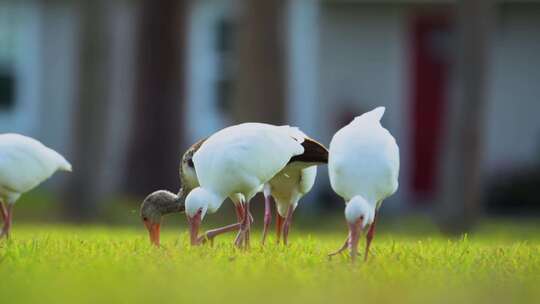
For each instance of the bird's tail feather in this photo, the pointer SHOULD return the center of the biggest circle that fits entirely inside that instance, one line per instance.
(374, 115)
(314, 152)
(63, 164)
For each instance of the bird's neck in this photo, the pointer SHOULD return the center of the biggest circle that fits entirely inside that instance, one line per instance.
(215, 201)
(180, 202)
(371, 202)
(175, 204)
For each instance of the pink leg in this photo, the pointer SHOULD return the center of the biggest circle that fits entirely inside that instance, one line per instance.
(279, 226)
(239, 212)
(369, 237)
(267, 216)
(353, 242)
(249, 220)
(343, 248)
(240, 217)
(3, 211)
(287, 224)
(211, 234)
(242, 238)
(7, 222)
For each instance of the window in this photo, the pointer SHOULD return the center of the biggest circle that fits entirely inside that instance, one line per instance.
(225, 36)
(7, 90)
(225, 41)
(8, 32)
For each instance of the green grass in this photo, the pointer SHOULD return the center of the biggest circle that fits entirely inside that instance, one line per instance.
(67, 264)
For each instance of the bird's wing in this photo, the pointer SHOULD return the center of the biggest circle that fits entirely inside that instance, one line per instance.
(244, 156)
(25, 162)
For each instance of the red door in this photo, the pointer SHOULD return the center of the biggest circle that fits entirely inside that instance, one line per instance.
(430, 73)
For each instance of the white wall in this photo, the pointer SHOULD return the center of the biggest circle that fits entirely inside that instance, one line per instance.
(24, 117)
(202, 115)
(363, 50)
(363, 65)
(60, 63)
(513, 121)
(121, 40)
(302, 22)
(58, 74)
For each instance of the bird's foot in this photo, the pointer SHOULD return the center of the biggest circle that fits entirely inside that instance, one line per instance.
(203, 239)
(331, 255)
(211, 234)
(340, 250)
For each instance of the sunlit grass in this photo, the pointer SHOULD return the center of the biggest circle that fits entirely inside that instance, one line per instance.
(62, 264)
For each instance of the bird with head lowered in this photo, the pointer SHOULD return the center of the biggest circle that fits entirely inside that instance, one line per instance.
(363, 166)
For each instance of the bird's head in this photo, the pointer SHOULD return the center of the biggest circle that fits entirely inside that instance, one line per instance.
(155, 206)
(359, 212)
(359, 215)
(197, 203)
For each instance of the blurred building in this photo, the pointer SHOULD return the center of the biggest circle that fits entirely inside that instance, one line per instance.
(342, 58)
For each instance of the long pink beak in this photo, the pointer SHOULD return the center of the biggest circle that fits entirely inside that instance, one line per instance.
(354, 232)
(153, 231)
(194, 224)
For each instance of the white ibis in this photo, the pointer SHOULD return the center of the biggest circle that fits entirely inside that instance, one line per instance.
(155, 206)
(289, 185)
(236, 162)
(162, 202)
(363, 166)
(287, 188)
(24, 164)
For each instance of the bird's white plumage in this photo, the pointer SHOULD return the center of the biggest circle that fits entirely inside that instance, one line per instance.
(358, 207)
(240, 159)
(191, 181)
(291, 184)
(287, 187)
(24, 164)
(364, 160)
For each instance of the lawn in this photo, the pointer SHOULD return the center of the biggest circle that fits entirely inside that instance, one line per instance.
(66, 264)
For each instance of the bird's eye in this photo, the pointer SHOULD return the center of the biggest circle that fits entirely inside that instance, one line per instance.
(362, 217)
(145, 219)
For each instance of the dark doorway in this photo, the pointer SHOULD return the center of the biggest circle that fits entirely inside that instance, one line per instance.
(431, 48)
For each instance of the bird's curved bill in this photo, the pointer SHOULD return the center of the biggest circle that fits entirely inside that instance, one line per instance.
(355, 230)
(194, 224)
(153, 231)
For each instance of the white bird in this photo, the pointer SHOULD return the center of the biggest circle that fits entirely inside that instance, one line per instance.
(287, 188)
(24, 164)
(163, 202)
(237, 162)
(363, 166)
